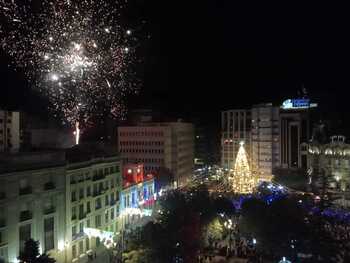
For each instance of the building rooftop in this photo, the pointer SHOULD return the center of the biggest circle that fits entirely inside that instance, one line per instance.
(25, 161)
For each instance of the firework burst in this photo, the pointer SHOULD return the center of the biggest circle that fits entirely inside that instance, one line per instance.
(74, 52)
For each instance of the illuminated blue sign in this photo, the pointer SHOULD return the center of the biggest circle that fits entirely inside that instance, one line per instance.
(297, 104)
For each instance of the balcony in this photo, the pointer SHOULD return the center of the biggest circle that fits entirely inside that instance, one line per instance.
(25, 215)
(49, 186)
(49, 210)
(25, 191)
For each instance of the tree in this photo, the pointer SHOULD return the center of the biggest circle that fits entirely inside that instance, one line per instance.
(215, 230)
(31, 254)
(242, 181)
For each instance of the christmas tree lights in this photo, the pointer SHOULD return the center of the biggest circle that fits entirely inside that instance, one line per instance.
(242, 180)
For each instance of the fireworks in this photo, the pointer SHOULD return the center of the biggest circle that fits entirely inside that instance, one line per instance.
(75, 52)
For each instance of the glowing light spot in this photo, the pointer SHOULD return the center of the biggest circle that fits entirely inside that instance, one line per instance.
(54, 77)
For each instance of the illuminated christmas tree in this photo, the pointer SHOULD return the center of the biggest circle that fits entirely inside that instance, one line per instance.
(242, 180)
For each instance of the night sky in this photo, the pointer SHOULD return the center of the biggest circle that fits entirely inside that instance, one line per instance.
(206, 56)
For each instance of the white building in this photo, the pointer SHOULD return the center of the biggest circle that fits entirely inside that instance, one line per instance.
(235, 127)
(329, 169)
(265, 140)
(92, 202)
(9, 131)
(68, 202)
(32, 203)
(157, 145)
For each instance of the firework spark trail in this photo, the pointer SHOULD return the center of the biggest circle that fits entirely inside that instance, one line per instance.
(75, 52)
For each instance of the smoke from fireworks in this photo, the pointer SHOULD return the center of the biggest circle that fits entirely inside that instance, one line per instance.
(75, 52)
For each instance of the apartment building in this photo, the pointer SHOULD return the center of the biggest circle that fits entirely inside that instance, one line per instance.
(67, 200)
(157, 145)
(32, 203)
(92, 202)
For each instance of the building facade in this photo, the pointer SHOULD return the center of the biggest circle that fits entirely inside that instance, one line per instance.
(158, 145)
(235, 127)
(71, 206)
(137, 198)
(329, 169)
(32, 204)
(92, 203)
(9, 131)
(265, 140)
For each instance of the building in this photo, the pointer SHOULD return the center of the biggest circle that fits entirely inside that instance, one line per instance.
(32, 203)
(138, 196)
(159, 145)
(265, 140)
(329, 169)
(67, 200)
(9, 131)
(295, 132)
(93, 187)
(235, 127)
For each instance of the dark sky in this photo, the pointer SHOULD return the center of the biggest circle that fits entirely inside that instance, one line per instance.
(206, 56)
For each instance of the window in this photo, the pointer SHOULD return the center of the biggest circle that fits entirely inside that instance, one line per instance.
(81, 247)
(49, 233)
(74, 251)
(74, 213)
(112, 198)
(3, 253)
(24, 187)
(88, 223)
(24, 235)
(2, 217)
(73, 196)
(112, 214)
(87, 243)
(112, 183)
(81, 227)
(106, 217)
(95, 190)
(88, 208)
(72, 179)
(74, 231)
(88, 191)
(81, 211)
(98, 221)
(133, 201)
(2, 238)
(98, 203)
(81, 193)
(106, 200)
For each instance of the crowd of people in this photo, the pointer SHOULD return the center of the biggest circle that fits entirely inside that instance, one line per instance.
(340, 233)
